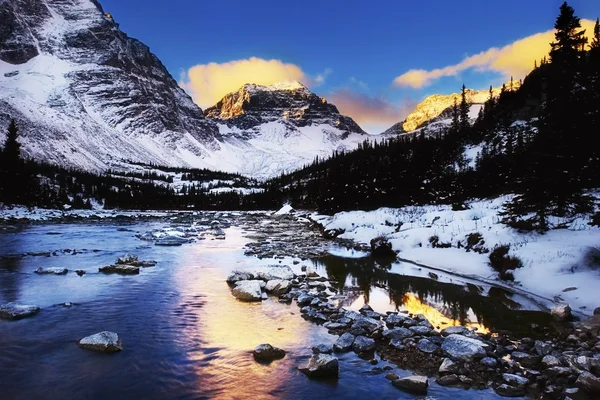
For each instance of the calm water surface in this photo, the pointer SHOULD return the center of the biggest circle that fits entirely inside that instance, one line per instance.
(185, 336)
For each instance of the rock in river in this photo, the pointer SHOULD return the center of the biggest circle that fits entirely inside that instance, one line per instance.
(51, 271)
(363, 344)
(170, 241)
(278, 286)
(247, 291)
(17, 311)
(463, 348)
(104, 342)
(414, 384)
(321, 366)
(266, 352)
(561, 311)
(344, 342)
(120, 269)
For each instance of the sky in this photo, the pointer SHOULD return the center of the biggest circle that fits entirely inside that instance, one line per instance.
(374, 59)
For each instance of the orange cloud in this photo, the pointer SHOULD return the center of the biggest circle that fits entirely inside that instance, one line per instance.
(375, 114)
(208, 83)
(515, 59)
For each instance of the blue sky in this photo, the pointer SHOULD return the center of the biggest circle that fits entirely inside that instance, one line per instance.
(358, 48)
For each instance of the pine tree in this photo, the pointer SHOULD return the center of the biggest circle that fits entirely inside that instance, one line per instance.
(464, 112)
(455, 125)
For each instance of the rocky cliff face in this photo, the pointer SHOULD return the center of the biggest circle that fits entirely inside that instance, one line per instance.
(292, 102)
(85, 93)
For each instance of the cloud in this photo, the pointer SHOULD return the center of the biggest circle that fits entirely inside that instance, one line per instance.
(515, 59)
(376, 112)
(208, 83)
(320, 78)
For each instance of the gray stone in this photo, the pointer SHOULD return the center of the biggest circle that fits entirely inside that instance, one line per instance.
(169, 241)
(510, 391)
(247, 291)
(120, 269)
(448, 367)
(597, 311)
(368, 324)
(266, 352)
(448, 380)
(550, 361)
(16, 311)
(238, 275)
(413, 384)
(398, 334)
(344, 343)
(561, 311)
(397, 344)
(463, 348)
(515, 380)
(322, 348)
(488, 362)
(394, 320)
(334, 325)
(543, 348)
(278, 286)
(454, 330)
(588, 383)
(420, 330)
(104, 342)
(304, 299)
(363, 344)
(51, 271)
(525, 359)
(321, 366)
(127, 259)
(426, 346)
(391, 377)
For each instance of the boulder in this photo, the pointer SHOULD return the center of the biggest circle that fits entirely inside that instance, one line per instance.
(304, 300)
(543, 348)
(420, 330)
(80, 272)
(278, 286)
(395, 320)
(266, 352)
(525, 359)
(593, 325)
(561, 311)
(170, 240)
(344, 343)
(448, 367)
(510, 391)
(488, 362)
(515, 380)
(247, 291)
(238, 275)
(16, 311)
(597, 311)
(463, 348)
(398, 334)
(448, 380)
(413, 384)
(455, 330)
(588, 383)
(366, 323)
(104, 342)
(51, 271)
(322, 348)
(271, 272)
(120, 269)
(321, 366)
(550, 361)
(426, 346)
(363, 344)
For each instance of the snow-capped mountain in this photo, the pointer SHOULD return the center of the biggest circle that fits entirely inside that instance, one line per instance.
(281, 127)
(436, 108)
(86, 95)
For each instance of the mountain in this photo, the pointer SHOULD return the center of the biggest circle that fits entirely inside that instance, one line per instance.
(437, 108)
(86, 95)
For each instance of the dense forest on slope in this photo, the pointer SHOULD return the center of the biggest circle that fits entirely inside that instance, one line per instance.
(540, 141)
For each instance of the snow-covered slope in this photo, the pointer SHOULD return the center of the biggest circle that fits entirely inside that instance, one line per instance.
(86, 95)
(436, 108)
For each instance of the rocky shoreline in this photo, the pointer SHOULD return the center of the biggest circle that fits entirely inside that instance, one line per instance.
(553, 366)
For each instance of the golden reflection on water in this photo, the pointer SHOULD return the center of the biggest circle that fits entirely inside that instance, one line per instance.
(227, 330)
(380, 302)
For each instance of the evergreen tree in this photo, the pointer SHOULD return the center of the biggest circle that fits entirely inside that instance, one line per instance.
(464, 112)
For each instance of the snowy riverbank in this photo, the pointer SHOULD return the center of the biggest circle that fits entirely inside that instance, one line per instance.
(560, 259)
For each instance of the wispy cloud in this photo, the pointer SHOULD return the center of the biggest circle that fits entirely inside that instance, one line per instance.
(322, 77)
(515, 59)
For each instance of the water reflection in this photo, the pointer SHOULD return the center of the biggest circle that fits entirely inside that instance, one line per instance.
(365, 281)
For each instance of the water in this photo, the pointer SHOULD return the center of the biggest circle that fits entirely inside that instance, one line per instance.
(185, 336)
